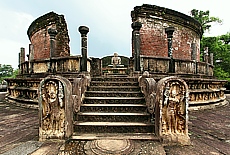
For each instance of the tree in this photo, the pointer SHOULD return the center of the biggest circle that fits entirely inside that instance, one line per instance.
(204, 18)
(221, 52)
(6, 71)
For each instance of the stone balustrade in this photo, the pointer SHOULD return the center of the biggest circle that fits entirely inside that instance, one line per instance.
(161, 65)
(68, 64)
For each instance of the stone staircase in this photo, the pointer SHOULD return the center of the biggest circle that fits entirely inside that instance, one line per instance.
(113, 105)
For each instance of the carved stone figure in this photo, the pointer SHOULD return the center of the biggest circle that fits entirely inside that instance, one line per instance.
(53, 108)
(173, 110)
(116, 60)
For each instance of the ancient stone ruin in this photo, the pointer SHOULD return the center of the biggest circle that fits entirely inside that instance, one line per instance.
(146, 96)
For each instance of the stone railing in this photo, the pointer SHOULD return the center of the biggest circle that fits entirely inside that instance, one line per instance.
(79, 87)
(3, 88)
(206, 92)
(24, 90)
(148, 88)
(161, 65)
(70, 64)
(21, 90)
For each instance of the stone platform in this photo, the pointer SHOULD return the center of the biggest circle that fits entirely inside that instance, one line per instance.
(208, 130)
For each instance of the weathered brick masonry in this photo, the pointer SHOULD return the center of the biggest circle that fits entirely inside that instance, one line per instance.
(155, 19)
(40, 39)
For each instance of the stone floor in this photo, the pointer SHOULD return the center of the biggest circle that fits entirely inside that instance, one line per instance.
(208, 130)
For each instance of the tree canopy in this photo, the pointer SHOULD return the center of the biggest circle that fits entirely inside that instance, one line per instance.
(7, 71)
(204, 18)
(218, 45)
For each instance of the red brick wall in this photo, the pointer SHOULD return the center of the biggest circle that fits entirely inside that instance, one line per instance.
(154, 39)
(40, 39)
(154, 42)
(41, 43)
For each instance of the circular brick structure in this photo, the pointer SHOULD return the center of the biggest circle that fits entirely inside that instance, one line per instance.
(40, 38)
(155, 19)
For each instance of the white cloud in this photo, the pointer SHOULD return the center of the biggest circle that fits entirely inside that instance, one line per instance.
(109, 22)
(13, 35)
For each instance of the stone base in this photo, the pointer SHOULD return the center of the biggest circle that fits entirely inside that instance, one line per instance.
(112, 147)
(105, 147)
(115, 70)
(176, 139)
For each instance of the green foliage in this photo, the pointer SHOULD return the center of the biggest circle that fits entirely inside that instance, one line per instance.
(7, 71)
(204, 18)
(221, 54)
(218, 45)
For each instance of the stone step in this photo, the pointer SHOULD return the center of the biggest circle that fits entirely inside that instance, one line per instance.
(113, 136)
(113, 83)
(114, 88)
(112, 117)
(113, 127)
(115, 78)
(113, 108)
(114, 100)
(113, 94)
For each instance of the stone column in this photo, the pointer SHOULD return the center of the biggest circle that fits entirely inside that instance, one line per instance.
(194, 56)
(136, 26)
(83, 30)
(31, 57)
(194, 53)
(52, 32)
(22, 59)
(19, 63)
(206, 60)
(169, 31)
(22, 55)
(211, 58)
(206, 54)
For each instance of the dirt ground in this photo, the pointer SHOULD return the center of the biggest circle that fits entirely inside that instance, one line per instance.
(209, 131)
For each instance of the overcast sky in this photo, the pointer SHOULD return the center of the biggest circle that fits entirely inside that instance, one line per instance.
(109, 22)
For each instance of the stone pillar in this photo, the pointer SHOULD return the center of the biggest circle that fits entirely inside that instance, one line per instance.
(206, 54)
(194, 53)
(194, 56)
(22, 55)
(136, 44)
(83, 30)
(31, 57)
(22, 59)
(52, 32)
(19, 63)
(211, 58)
(169, 31)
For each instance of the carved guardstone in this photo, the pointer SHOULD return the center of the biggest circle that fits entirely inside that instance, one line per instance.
(172, 110)
(55, 108)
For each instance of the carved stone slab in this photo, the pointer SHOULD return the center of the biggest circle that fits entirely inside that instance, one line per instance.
(55, 108)
(171, 111)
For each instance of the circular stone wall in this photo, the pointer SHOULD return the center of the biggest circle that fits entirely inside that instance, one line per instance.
(40, 39)
(154, 19)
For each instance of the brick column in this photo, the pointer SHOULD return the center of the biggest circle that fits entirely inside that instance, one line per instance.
(136, 44)
(169, 31)
(52, 32)
(83, 30)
